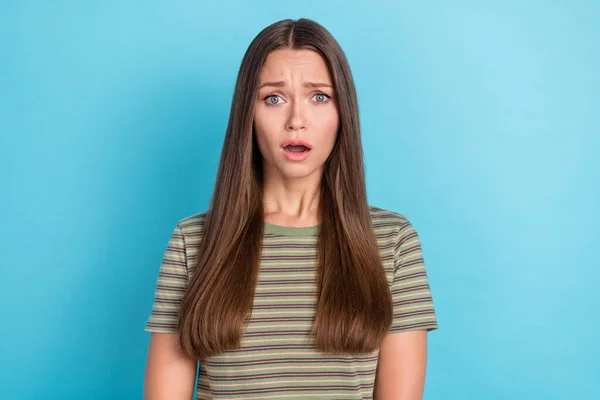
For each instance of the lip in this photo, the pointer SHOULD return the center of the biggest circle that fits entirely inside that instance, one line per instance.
(296, 142)
(296, 156)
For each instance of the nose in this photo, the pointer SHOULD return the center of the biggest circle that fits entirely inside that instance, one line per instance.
(296, 119)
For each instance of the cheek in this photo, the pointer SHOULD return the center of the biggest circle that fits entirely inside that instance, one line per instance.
(329, 122)
(327, 115)
(264, 132)
(266, 122)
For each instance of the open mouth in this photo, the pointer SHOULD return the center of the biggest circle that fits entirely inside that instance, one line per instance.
(296, 148)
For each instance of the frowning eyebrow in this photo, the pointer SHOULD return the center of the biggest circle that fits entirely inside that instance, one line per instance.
(305, 84)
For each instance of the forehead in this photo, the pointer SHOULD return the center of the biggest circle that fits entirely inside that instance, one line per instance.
(294, 64)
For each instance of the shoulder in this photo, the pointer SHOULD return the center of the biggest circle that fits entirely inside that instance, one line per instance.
(383, 221)
(392, 225)
(390, 228)
(387, 220)
(191, 226)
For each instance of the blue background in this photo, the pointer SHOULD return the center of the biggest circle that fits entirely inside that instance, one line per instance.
(480, 124)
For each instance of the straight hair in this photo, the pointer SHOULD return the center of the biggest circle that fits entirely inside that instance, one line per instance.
(354, 304)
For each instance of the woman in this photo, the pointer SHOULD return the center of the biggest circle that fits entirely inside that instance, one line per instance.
(291, 285)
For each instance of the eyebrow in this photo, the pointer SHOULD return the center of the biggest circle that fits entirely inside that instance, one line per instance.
(305, 84)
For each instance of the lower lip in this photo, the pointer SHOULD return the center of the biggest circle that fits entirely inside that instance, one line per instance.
(295, 156)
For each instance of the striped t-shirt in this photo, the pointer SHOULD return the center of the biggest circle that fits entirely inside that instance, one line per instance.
(275, 359)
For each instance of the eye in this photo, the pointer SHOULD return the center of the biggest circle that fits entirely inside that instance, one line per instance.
(273, 99)
(321, 98)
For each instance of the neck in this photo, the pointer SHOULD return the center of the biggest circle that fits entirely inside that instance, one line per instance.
(291, 201)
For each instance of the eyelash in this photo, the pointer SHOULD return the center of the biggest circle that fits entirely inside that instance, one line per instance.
(316, 94)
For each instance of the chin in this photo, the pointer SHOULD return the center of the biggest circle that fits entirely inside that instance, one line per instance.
(297, 171)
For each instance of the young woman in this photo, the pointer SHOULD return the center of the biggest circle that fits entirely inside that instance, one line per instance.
(291, 285)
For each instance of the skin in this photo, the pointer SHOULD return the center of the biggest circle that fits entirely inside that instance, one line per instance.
(295, 100)
(401, 366)
(169, 374)
(300, 106)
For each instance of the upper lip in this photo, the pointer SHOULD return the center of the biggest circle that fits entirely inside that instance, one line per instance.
(296, 142)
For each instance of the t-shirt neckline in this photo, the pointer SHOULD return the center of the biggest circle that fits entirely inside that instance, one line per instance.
(291, 230)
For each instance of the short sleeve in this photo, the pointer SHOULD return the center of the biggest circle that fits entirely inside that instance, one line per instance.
(170, 286)
(411, 294)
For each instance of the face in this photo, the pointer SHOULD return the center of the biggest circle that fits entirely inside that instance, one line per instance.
(295, 117)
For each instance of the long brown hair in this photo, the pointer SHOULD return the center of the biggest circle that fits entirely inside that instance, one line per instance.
(354, 310)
